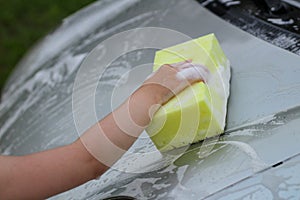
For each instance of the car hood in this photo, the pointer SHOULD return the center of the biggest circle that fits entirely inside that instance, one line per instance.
(258, 154)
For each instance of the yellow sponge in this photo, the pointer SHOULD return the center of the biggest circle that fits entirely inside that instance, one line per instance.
(199, 111)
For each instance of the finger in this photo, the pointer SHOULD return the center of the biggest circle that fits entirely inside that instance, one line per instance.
(179, 64)
(202, 67)
(195, 73)
(185, 65)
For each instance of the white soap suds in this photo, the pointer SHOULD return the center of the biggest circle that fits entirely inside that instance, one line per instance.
(219, 82)
(257, 163)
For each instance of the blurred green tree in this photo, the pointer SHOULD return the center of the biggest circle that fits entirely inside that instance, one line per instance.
(22, 23)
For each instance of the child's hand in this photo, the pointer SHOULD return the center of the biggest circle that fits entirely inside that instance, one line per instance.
(44, 174)
(170, 79)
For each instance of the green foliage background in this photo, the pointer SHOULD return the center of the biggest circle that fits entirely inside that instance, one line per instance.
(23, 22)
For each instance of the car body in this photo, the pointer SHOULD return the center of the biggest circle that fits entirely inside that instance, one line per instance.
(258, 156)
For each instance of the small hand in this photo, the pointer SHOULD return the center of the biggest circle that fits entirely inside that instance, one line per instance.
(170, 79)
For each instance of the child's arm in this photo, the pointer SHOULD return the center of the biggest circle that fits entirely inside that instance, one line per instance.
(50, 172)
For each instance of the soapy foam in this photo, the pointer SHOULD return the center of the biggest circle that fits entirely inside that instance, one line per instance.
(257, 163)
(220, 82)
(48, 77)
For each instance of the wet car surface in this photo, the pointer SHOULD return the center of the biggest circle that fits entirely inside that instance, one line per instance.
(258, 157)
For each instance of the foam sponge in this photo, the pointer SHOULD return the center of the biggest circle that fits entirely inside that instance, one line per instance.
(199, 111)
